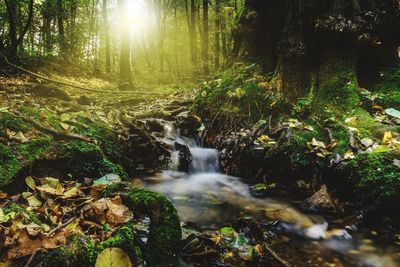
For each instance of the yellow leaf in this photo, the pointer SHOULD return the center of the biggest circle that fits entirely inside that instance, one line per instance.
(115, 257)
(387, 137)
(30, 182)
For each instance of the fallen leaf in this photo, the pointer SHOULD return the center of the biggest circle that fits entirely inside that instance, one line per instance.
(115, 257)
(30, 182)
(387, 137)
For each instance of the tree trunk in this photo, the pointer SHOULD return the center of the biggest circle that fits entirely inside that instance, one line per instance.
(125, 71)
(106, 37)
(60, 26)
(193, 42)
(204, 47)
(217, 33)
(15, 40)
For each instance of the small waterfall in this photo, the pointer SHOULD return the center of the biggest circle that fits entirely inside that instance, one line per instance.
(204, 160)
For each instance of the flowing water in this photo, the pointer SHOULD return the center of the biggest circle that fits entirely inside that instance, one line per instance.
(211, 199)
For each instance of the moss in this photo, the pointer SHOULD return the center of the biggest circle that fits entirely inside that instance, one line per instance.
(88, 160)
(374, 177)
(32, 150)
(18, 209)
(388, 89)
(165, 234)
(363, 122)
(238, 94)
(340, 92)
(82, 251)
(10, 165)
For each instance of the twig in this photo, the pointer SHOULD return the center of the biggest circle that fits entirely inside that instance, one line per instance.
(50, 130)
(276, 256)
(28, 263)
(60, 226)
(78, 86)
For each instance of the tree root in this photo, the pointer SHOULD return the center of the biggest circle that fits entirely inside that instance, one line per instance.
(49, 130)
(116, 91)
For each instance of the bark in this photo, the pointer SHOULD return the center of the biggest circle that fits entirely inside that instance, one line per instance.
(193, 34)
(16, 40)
(106, 37)
(217, 33)
(125, 73)
(204, 48)
(60, 25)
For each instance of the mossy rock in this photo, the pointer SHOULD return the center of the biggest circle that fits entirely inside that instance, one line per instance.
(79, 159)
(372, 178)
(163, 245)
(16, 158)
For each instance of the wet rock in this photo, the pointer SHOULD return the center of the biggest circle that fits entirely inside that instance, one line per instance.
(188, 124)
(320, 201)
(155, 125)
(46, 91)
(185, 157)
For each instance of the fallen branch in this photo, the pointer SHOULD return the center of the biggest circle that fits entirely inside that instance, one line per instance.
(78, 86)
(277, 257)
(60, 226)
(49, 130)
(28, 263)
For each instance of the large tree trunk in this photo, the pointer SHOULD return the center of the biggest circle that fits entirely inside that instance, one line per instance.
(125, 71)
(204, 47)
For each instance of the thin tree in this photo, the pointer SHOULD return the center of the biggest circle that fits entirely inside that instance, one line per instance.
(217, 33)
(204, 47)
(106, 37)
(125, 71)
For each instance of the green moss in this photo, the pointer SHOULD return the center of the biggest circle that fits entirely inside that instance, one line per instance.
(388, 91)
(165, 234)
(340, 92)
(18, 209)
(88, 160)
(82, 251)
(237, 94)
(10, 165)
(363, 122)
(35, 148)
(374, 177)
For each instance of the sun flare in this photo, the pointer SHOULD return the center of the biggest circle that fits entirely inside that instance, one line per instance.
(139, 14)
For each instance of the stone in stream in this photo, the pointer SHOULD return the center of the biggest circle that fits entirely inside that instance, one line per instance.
(184, 155)
(320, 201)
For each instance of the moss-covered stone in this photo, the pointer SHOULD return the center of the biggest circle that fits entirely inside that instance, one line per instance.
(373, 177)
(388, 90)
(86, 160)
(165, 234)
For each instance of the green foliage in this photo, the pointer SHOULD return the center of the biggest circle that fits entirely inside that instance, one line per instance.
(88, 160)
(340, 93)
(375, 178)
(388, 91)
(238, 94)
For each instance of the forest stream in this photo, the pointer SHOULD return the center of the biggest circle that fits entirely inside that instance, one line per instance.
(211, 200)
(199, 133)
